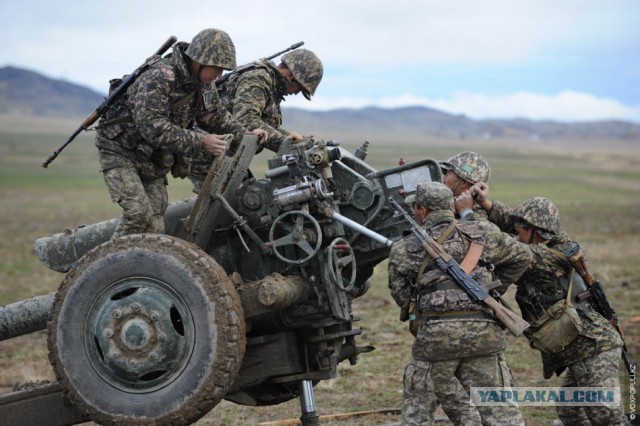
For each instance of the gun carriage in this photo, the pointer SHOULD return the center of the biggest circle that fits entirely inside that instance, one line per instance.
(248, 296)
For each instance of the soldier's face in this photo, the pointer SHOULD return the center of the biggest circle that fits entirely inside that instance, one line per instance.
(419, 213)
(455, 184)
(294, 88)
(209, 74)
(524, 234)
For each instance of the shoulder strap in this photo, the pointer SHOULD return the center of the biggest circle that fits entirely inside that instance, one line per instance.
(446, 234)
(564, 257)
(236, 72)
(559, 253)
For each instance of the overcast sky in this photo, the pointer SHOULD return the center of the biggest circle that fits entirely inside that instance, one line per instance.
(569, 60)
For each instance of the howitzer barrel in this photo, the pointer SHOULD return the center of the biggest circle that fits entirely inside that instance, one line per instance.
(61, 251)
(25, 317)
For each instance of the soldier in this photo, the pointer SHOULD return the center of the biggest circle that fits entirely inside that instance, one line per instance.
(146, 133)
(460, 173)
(592, 357)
(253, 94)
(458, 340)
(419, 402)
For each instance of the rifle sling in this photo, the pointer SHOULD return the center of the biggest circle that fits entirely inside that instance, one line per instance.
(129, 118)
(446, 234)
(470, 260)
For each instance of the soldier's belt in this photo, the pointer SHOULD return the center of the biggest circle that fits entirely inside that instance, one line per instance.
(431, 316)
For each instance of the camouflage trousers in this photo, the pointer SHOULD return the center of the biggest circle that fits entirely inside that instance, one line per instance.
(452, 380)
(419, 402)
(143, 203)
(600, 370)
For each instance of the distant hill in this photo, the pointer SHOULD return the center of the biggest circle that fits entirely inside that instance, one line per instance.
(29, 93)
(24, 92)
(422, 121)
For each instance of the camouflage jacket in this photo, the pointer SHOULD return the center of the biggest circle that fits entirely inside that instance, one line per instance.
(161, 117)
(503, 258)
(253, 94)
(543, 284)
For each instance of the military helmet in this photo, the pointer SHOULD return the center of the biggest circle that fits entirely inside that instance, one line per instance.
(434, 196)
(469, 166)
(306, 68)
(212, 47)
(540, 213)
(410, 199)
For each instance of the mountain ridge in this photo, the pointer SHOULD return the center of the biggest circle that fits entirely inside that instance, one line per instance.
(25, 92)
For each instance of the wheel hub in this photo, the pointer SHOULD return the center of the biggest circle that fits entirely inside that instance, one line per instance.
(136, 334)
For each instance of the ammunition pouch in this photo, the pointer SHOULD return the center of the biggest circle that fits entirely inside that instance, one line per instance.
(404, 313)
(181, 167)
(143, 151)
(414, 323)
(557, 328)
(163, 158)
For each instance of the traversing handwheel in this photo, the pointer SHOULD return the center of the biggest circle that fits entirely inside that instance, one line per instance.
(342, 264)
(297, 230)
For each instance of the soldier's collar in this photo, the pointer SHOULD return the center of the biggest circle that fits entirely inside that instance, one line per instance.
(437, 217)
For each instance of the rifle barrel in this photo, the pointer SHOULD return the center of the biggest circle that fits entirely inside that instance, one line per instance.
(292, 47)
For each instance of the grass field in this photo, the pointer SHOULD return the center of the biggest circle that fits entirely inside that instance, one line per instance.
(596, 185)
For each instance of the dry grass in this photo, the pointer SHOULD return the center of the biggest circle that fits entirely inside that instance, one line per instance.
(596, 189)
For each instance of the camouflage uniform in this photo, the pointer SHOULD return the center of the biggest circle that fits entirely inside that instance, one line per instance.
(253, 93)
(592, 358)
(459, 338)
(137, 152)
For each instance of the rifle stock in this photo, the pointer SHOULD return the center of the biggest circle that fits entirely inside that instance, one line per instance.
(448, 264)
(102, 108)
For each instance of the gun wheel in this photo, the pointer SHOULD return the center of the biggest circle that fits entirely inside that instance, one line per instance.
(146, 329)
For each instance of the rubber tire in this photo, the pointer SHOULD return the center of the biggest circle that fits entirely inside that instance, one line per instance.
(217, 350)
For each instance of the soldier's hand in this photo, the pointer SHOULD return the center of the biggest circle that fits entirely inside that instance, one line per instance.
(480, 192)
(214, 144)
(463, 201)
(297, 137)
(262, 134)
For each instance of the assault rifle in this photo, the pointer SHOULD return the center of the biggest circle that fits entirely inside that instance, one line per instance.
(598, 298)
(448, 264)
(110, 100)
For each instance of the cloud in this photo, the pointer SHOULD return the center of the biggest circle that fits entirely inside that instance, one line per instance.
(462, 56)
(564, 106)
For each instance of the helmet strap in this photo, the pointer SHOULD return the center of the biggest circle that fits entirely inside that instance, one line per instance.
(457, 184)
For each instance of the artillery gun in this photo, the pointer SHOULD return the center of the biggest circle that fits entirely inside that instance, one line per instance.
(247, 297)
